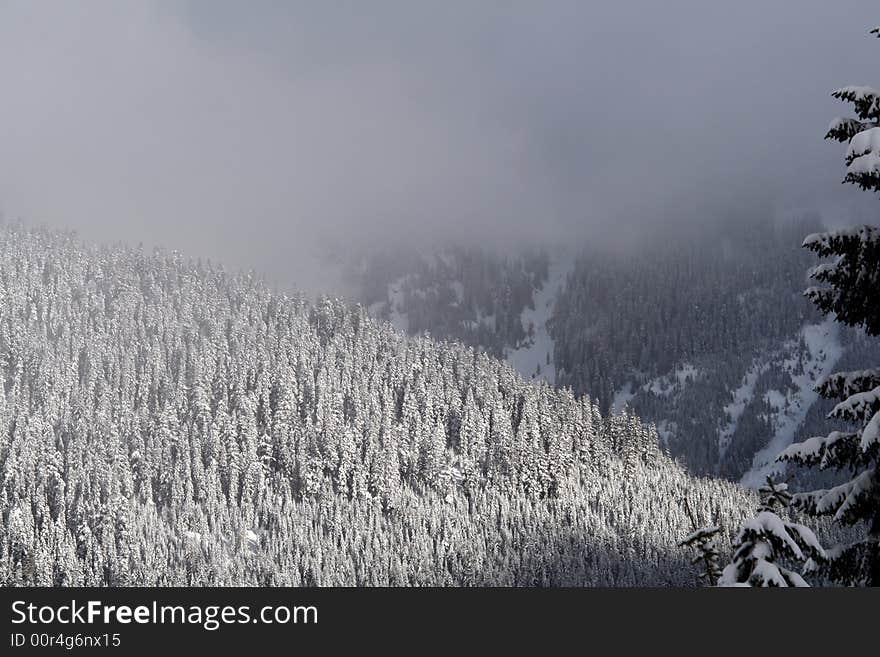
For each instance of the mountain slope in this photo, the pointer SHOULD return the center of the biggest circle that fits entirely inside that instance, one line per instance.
(163, 422)
(708, 335)
(709, 338)
(533, 357)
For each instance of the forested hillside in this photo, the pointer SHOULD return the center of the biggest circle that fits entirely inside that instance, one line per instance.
(164, 422)
(710, 337)
(471, 295)
(727, 290)
(705, 333)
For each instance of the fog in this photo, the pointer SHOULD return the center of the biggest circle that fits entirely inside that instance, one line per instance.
(264, 134)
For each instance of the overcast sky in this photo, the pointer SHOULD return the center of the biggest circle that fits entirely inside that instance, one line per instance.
(250, 131)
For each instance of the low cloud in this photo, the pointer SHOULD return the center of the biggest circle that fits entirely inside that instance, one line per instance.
(260, 134)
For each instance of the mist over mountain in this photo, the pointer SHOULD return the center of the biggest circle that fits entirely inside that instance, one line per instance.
(450, 294)
(266, 136)
(707, 335)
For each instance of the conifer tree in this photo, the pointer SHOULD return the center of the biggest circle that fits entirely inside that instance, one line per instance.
(850, 289)
(703, 540)
(213, 433)
(765, 540)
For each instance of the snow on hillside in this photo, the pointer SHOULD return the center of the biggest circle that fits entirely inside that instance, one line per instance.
(661, 386)
(824, 350)
(741, 397)
(805, 359)
(535, 359)
(395, 303)
(622, 397)
(664, 385)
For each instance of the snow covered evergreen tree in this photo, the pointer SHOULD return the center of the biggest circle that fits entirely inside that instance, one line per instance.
(765, 540)
(851, 290)
(703, 540)
(862, 134)
(165, 423)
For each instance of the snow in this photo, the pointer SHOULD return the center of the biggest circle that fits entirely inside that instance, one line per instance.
(871, 435)
(252, 540)
(867, 164)
(823, 351)
(822, 270)
(481, 320)
(796, 579)
(704, 532)
(659, 386)
(841, 499)
(685, 372)
(741, 397)
(767, 574)
(666, 430)
(622, 397)
(766, 532)
(728, 578)
(836, 122)
(663, 386)
(813, 238)
(856, 93)
(866, 234)
(769, 524)
(815, 449)
(807, 537)
(776, 399)
(855, 406)
(867, 141)
(840, 122)
(845, 384)
(847, 495)
(395, 303)
(535, 359)
(458, 289)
